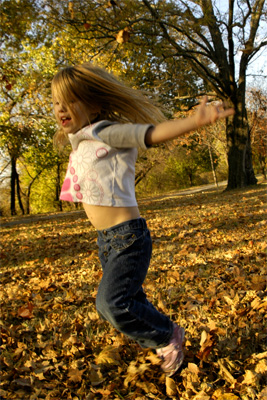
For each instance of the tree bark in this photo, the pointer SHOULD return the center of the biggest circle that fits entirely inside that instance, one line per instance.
(13, 186)
(19, 194)
(213, 167)
(58, 188)
(240, 168)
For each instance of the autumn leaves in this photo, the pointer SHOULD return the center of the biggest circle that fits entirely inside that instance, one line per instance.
(208, 273)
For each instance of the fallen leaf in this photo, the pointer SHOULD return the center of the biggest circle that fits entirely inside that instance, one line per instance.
(109, 355)
(26, 311)
(75, 375)
(251, 378)
(96, 377)
(207, 344)
(171, 388)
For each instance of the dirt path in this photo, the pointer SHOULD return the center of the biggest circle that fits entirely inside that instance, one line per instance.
(22, 220)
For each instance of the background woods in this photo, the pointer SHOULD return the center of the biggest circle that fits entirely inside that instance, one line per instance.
(175, 51)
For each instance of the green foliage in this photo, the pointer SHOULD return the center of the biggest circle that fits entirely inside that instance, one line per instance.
(16, 21)
(184, 167)
(187, 164)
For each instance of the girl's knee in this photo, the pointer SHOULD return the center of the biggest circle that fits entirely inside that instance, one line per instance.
(103, 303)
(109, 310)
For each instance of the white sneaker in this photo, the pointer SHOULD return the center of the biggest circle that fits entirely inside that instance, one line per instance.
(172, 355)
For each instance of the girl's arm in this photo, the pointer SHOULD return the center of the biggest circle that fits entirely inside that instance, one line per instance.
(168, 130)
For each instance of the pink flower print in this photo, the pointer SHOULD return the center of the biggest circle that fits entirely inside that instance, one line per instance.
(66, 185)
(66, 197)
(92, 175)
(79, 195)
(101, 152)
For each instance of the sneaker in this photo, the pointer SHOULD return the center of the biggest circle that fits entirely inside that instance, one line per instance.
(172, 355)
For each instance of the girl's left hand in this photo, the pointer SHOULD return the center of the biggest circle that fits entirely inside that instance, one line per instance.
(208, 114)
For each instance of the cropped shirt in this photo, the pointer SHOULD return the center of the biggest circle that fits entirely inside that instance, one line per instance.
(101, 169)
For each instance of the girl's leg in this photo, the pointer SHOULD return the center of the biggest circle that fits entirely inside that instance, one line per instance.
(125, 252)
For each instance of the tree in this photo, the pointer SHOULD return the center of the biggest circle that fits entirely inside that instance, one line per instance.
(40, 158)
(257, 101)
(27, 68)
(217, 45)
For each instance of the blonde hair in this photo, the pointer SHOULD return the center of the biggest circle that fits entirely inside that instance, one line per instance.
(93, 85)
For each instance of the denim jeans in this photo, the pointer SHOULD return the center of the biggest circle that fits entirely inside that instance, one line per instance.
(125, 252)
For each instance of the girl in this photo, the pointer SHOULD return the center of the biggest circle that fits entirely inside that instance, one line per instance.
(105, 122)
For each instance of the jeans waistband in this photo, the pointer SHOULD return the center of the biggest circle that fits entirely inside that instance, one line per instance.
(139, 223)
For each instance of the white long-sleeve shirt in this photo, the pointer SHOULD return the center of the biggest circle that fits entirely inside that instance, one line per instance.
(101, 168)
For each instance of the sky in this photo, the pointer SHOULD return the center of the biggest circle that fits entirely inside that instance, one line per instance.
(257, 69)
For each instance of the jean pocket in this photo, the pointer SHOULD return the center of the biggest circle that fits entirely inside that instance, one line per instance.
(122, 242)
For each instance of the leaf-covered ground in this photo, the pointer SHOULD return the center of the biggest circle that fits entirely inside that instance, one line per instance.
(208, 273)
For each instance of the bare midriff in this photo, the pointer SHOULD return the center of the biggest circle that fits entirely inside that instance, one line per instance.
(103, 217)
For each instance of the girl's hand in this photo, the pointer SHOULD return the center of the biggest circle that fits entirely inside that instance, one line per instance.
(206, 115)
(169, 130)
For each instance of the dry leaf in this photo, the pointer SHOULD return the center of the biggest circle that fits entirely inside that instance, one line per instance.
(96, 377)
(110, 355)
(26, 311)
(201, 396)
(171, 388)
(251, 378)
(123, 36)
(261, 367)
(147, 387)
(75, 375)
(216, 293)
(263, 394)
(153, 358)
(207, 343)
(193, 368)
(228, 396)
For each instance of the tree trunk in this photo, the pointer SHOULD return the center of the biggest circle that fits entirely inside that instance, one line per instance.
(142, 174)
(29, 192)
(58, 188)
(13, 186)
(213, 167)
(240, 171)
(19, 194)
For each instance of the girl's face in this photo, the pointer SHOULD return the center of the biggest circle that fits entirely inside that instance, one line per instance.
(72, 119)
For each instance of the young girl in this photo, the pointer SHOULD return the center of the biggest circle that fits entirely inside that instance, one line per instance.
(105, 122)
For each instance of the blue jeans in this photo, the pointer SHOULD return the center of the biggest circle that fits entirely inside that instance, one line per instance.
(125, 252)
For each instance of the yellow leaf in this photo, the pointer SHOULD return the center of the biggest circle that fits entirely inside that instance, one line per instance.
(250, 378)
(171, 389)
(193, 368)
(123, 36)
(229, 396)
(147, 387)
(75, 375)
(153, 358)
(110, 355)
(261, 367)
(96, 376)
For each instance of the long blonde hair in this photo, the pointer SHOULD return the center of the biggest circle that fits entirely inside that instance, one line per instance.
(93, 85)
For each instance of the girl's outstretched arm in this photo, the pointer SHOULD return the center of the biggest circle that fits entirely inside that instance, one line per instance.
(204, 115)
